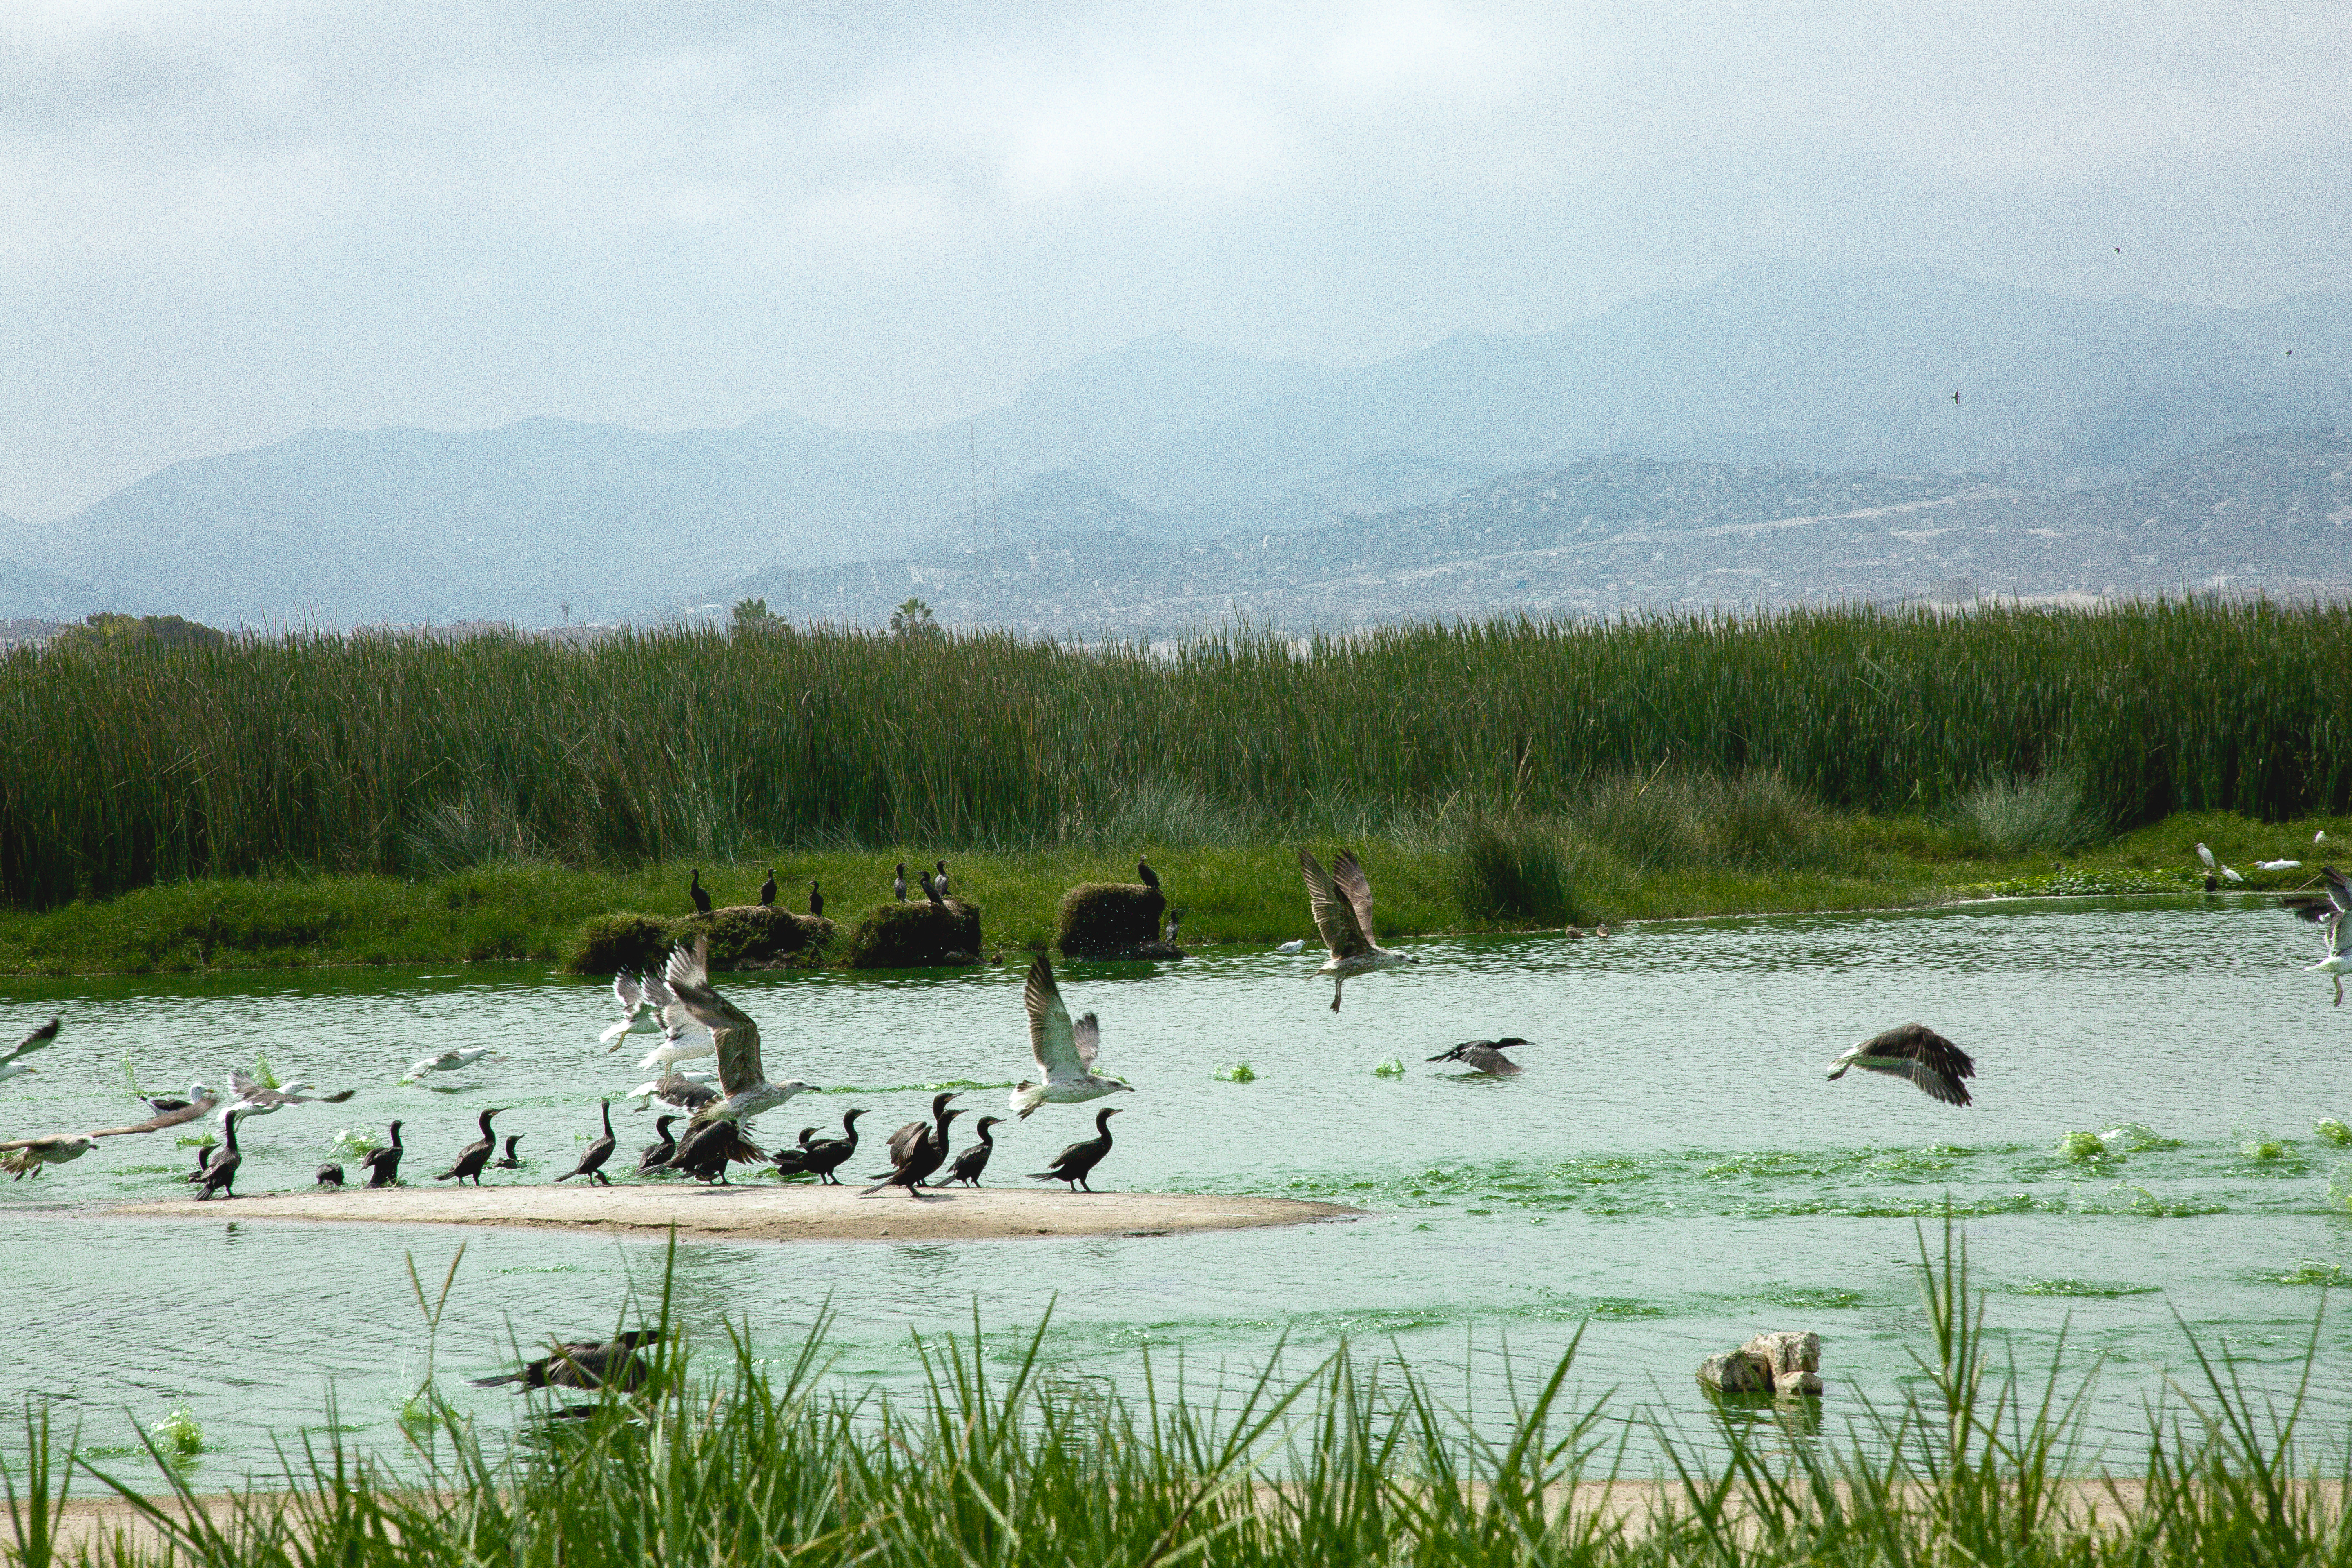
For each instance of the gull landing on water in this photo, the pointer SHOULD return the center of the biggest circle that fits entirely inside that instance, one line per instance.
(1342, 902)
(1065, 1050)
(2338, 959)
(1916, 1052)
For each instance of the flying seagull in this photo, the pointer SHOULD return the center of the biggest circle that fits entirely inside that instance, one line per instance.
(449, 1061)
(740, 1076)
(641, 1013)
(1342, 902)
(12, 1062)
(26, 1156)
(1916, 1052)
(254, 1098)
(689, 1090)
(1064, 1051)
(1484, 1056)
(2337, 959)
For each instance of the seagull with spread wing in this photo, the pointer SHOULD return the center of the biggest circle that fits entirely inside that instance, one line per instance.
(1065, 1051)
(1342, 902)
(741, 1079)
(1916, 1052)
(13, 1063)
(2337, 959)
(254, 1098)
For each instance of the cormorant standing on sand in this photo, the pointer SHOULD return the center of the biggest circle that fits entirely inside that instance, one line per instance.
(1073, 1163)
(816, 898)
(511, 1161)
(657, 1155)
(768, 890)
(824, 1156)
(705, 1150)
(592, 1163)
(898, 882)
(331, 1176)
(916, 1151)
(219, 1174)
(474, 1155)
(584, 1364)
(694, 889)
(1150, 878)
(1484, 1056)
(974, 1160)
(383, 1165)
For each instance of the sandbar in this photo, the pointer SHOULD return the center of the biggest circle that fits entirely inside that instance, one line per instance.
(765, 1212)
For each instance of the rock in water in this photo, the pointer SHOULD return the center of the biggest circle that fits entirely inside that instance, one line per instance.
(1735, 1372)
(1795, 1359)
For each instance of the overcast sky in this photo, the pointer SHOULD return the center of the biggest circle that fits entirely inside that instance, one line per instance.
(220, 225)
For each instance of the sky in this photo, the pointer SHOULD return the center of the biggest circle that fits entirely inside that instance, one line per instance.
(224, 223)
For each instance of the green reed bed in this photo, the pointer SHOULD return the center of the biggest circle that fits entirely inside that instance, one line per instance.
(772, 1463)
(125, 766)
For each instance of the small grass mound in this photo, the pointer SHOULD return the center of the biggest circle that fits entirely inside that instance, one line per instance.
(1106, 920)
(916, 936)
(1514, 871)
(2009, 816)
(620, 944)
(755, 936)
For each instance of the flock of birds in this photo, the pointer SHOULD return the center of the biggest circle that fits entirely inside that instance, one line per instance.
(695, 1020)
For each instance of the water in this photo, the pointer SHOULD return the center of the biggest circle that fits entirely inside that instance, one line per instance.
(1671, 1171)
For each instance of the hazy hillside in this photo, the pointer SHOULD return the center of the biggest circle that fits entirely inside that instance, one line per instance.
(1826, 371)
(1614, 534)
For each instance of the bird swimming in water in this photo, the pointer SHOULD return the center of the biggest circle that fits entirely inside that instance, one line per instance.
(330, 1175)
(768, 890)
(940, 882)
(1294, 946)
(1149, 877)
(592, 1163)
(694, 890)
(474, 1155)
(657, 1154)
(1064, 1051)
(1342, 905)
(898, 882)
(917, 1150)
(383, 1165)
(1073, 1163)
(2336, 958)
(969, 1165)
(584, 1364)
(1484, 1056)
(511, 1161)
(28, 1157)
(827, 1155)
(13, 1063)
(447, 1061)
(1916, 1052)
(817, 897)
(218, 1175)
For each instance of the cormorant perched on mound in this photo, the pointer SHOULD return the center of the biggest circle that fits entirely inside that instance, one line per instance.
(1916, 1052)
(694, 890)
(657, 1155)
(592, 1163)
(585, 1364)
(330, 1175)
(383, 1165)
(916, 1151)
(1064, 1052)
(474, 1155)
(1149, 877)
(940, 882)
(933, 891)
(898, 882)
(973, 1161)
(823, 1157)
(817, 897)
(768, 890)
(511, 1161)
(1484, 1056)
(1073, 1163)
(1342, 905)
(219, 1173)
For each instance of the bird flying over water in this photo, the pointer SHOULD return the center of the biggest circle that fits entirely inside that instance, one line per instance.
(1916, 1052)
(1484, 1056)
(450, 1060)
(2336, 960)
(741, 1076)
(1342, 904)
(254, 1098)
(1074, 1163)
(28, 1157)
(1064, 1051)
(689, 1090)
(13, 1063)
(640, 1013)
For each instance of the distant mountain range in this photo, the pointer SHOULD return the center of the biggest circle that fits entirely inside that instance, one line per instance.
(1612, 535)
(1828, 372)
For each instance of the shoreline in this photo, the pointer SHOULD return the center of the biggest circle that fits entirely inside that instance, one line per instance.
(765, 1213)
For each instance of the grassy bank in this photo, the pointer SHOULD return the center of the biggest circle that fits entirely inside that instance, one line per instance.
(125, 766)
(769, 1462)
(1628, 867)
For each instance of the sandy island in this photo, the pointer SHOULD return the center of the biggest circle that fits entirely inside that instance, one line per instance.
(747, 1212)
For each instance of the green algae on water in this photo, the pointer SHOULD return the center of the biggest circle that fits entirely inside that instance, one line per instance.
(178, 1434)
(2082, 1146)
(1239, 1072)
(1392, 1067)
(2328, 1130)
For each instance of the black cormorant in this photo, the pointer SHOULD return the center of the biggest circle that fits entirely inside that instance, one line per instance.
(694, 890)
(657, 1154)
(511, 1161)
(898, 882)
(916, 1149)
(383, 1165)
(824, 1156)
(973, 1161)
(219, 1174)
(1484, 1056)
(474, 1155)
(1150, 878)
(330, 1175)
(584, 1364)
(816, 898)
(768, 890)
(592, 1163)
(940, 882)
(1073, 1163)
